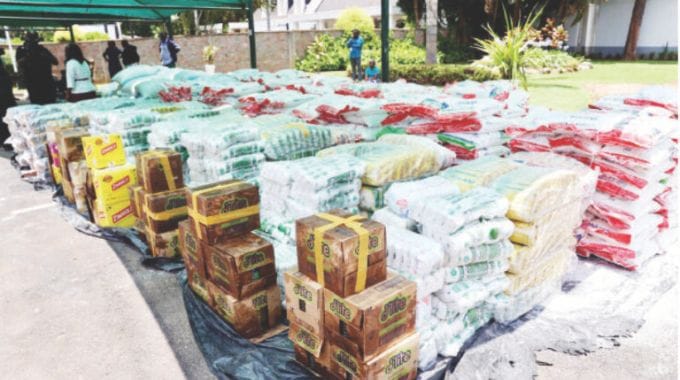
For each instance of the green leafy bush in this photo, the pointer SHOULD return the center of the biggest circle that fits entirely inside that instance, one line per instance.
(65, 36)
(440, 75)
(452, 52)
(541, 59)
(326, 53)
(356, 18)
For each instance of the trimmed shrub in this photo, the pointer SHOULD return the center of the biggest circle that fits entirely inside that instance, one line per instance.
(440, 75)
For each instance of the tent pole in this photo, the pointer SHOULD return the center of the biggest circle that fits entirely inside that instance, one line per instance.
(168, 27)
(251, 34)
(70, 31)
(385, 39)
(11, 49)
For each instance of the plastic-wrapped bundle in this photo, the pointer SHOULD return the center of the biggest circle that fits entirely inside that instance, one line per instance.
(653, 100)
(131, 73)
(272, 102)
(389, 218)
(445, 157)
(372, 197)
(338, 109)
(403, 195)
(478, 172)
(294, 140)
(387, 163)
(469, 146)
(294, 189)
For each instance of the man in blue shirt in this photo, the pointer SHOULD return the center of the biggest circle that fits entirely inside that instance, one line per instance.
(372, 72)
(355, 43)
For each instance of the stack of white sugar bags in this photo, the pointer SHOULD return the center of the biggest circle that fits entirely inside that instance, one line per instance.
(291, 190)
(220, 151)
(458, 259)
(546, 207)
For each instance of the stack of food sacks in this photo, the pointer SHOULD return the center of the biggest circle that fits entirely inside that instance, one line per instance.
(473, 233)
(159, 200)
(635, 155)
(286, 138)
(391, 159)
(294, 189)
(349, 317)
(546, 207)
(221, 149)
(229, 267)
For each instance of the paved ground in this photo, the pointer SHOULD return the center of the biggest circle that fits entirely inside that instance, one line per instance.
(74, 306)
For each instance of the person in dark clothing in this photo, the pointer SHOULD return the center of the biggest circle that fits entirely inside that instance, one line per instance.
(36, 64)
(168, 49)
(112, 56)
(129, 56)
(6, 101)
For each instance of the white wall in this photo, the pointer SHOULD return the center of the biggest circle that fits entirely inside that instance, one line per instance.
(612, 18)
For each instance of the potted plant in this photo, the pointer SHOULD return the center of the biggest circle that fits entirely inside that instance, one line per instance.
(209, 58)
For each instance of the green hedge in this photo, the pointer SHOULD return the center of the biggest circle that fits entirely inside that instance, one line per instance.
(440, 75)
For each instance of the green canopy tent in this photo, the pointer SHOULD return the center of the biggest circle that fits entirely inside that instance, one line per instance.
(65, 13)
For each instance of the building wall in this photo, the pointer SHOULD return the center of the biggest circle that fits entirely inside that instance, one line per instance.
(275, 50)
(659, 27)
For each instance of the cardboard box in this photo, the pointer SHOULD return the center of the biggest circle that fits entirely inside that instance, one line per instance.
(224, 210)
(104, 151)
(136, 195)
(165, 210)
(112, 183)
(165, 244)
(70, 144)
(241, 266)
(199, 285)
(251, 316)
(115, 214)
(310, 349)
(159, 170)
(399, 361)
(191, 248)
(67, 188)
(78, 173)
(304, 301)
(340, 247)
(365, 323)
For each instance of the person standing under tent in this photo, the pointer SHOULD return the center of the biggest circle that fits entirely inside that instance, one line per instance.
(6, 101)
(112, 56)
(355, 43)
(79, 84)
(168, 49)
(129, 55)
(35, 63)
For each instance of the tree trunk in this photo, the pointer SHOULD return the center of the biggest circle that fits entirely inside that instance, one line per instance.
(634, 30)
(431, 8)
(416, 13)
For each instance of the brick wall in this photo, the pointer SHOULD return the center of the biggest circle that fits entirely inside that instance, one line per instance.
(275, 50)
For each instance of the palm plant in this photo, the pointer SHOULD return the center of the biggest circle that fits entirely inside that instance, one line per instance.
(508, 54)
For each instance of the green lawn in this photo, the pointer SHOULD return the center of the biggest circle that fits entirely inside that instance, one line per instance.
(573, 91)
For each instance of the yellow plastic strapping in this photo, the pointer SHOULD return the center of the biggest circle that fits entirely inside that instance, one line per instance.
(165, 165)
(219, 218)
(353, 223)
(165, 215)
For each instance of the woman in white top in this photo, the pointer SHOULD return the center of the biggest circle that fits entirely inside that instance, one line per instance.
(78, 75)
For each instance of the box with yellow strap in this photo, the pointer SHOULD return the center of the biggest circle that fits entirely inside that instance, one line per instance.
(159, 170)
(165, 210)
(164, 244)
(224, 210)
(344, 252)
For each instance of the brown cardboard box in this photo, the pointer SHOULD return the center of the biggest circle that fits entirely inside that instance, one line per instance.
(241, 266)
(251, 316)
(164, 244)
(165, 210)
(199, 285)
(399, 361)
(136, 194)
(304, 301)
(191, 248)
(312, 363)
(67, 188)
(365, 323)
(70, 144)
(340, 250)
(310, 349)
(224, 210)
(153, 171)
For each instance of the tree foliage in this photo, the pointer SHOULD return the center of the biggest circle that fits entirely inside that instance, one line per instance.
(356, 18)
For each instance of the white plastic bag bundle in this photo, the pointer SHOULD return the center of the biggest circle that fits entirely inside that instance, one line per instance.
(412, 253)
(389, 218)
(445, 157)
(401, 196)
